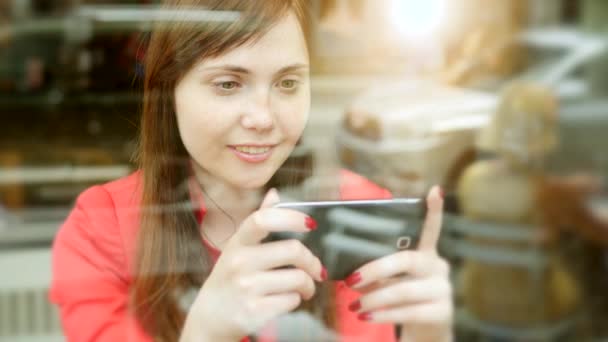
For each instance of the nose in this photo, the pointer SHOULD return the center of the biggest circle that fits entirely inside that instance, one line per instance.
(258, 116)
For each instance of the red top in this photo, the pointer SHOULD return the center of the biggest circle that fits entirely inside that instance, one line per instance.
(93, 263)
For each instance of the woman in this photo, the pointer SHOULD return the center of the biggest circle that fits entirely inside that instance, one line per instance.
(231, 98)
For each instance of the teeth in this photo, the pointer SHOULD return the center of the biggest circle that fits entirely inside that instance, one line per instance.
(252, 150)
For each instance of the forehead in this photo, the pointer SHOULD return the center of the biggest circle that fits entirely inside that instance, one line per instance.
(283, 43)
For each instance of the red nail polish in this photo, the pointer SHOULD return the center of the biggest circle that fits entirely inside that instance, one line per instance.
(324, 273)
(354, 306)
(353, 279)
(366, 316)
(311, 223)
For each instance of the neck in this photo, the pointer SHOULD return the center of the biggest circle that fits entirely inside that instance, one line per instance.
(227, 206)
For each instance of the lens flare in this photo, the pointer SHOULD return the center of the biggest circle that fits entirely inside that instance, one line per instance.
(417, 17)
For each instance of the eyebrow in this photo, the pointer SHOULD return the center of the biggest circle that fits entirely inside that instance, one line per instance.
(240, 70)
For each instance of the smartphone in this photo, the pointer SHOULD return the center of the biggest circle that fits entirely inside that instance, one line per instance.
(353, 233)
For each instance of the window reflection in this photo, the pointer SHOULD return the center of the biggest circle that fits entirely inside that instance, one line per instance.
(503, 105)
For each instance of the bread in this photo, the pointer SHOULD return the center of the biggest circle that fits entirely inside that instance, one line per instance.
(407, 136)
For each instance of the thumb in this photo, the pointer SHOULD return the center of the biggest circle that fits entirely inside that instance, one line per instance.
(271, 198)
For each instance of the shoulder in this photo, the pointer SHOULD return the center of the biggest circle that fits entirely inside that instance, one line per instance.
(354, 186)
(121, 193)
(105, 219)
(114, 206)
(119, 198)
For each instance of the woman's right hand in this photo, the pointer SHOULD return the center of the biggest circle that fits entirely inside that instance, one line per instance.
(249, 286)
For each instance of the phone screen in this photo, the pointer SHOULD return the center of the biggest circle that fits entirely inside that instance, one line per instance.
(352, 233)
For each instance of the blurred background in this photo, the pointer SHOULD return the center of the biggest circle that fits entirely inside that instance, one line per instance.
(502, 102)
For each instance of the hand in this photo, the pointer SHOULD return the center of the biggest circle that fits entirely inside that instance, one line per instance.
(245, 290)
(411, 288)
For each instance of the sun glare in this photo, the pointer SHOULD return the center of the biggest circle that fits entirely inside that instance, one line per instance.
(417, 17)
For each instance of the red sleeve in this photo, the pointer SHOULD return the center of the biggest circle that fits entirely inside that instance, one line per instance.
(90, 281)
(352, 187)
(355, 187)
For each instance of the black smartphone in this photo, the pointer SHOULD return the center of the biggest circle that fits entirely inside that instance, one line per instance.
(353, 233)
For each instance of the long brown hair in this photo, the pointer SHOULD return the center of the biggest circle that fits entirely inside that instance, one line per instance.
(170, 258)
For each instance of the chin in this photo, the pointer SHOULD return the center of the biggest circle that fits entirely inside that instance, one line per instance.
(252, 181)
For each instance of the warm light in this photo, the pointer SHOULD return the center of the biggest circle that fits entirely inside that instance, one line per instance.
(417, 17)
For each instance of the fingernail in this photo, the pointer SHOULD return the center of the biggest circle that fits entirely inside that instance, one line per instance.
(311, 224)
(366, 316)
(441, 193)
(324, 273)
(354, 306)
(353, 279)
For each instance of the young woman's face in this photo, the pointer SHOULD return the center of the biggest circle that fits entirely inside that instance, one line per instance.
(241, 114)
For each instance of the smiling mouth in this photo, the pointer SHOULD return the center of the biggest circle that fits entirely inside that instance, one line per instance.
(254, 150)
(253, 153)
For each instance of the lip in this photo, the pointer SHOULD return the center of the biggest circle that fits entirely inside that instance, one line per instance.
(252, 158)
(253, 145)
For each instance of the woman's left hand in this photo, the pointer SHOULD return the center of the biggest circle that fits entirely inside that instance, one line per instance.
(411, 287)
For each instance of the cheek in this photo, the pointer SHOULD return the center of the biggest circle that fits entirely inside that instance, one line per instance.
(294, 117)
(197, 109)
(293, 127)
(197, 127)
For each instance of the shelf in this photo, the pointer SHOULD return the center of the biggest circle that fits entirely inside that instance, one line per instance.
(86, 20)
(545, 332)
(60, 174)
(29, 233)
(55, 99)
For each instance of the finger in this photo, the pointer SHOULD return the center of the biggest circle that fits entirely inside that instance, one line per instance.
(406, 292)
(432, 224)
(260, 310)
(286, 253)
(274, 305)
(278, 282)
(424, 313)
(258, 225)
(377, 285)
(412, 263)
(271, 198)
